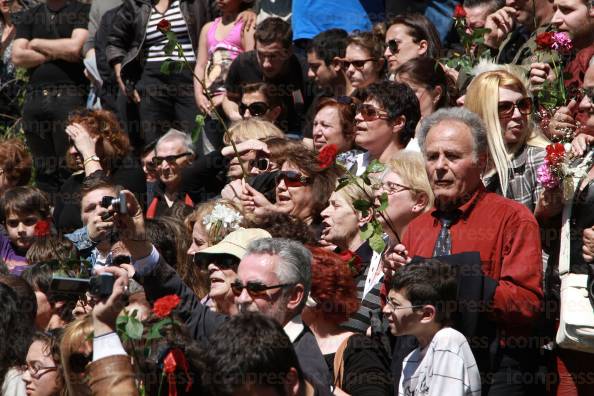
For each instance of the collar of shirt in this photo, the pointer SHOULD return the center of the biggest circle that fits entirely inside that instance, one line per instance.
(294, 328)
(464, 209)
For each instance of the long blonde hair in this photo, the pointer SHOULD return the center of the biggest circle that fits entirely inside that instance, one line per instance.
(482, 97)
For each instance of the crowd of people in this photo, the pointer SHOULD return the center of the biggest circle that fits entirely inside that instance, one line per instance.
(307, 197)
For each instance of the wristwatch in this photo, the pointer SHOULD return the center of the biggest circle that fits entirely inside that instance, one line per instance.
(91, 158)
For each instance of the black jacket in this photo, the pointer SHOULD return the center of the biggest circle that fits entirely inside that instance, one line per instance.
(202, 322)
(127, 35)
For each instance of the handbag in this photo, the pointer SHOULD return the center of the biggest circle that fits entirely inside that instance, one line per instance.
(576, 318)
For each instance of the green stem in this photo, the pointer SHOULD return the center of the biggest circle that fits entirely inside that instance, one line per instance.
(214, 109)
(161, 382)
(560, 86)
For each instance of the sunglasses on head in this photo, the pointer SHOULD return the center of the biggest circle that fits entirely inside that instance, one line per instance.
(292, 179)
(261, 164)
(371, 113)
(170, 159)
(223, 261)
(392, 46)
(506, 108)
(255, 289)
(257, 109)
(357, 64)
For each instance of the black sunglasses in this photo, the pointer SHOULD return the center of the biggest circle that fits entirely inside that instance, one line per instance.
(357, 64)
(223, 261)
(292, 179)
(261, 164)
(170, 158)
(393, 46)
(257, 109)
(255, 289)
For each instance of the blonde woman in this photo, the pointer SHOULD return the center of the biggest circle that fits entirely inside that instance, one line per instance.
(516, 147)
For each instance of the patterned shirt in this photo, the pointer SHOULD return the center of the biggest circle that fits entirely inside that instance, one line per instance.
(155, 40)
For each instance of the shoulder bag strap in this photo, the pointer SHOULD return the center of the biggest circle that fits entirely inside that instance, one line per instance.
(339, 363)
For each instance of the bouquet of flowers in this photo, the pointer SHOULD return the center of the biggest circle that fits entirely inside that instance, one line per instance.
(555, 44)
(221, 221)
(557, 170)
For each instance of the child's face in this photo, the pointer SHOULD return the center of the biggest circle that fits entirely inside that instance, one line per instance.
(21, 229)
(403, 317)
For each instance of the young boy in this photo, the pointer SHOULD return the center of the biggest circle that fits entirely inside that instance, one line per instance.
(21, 208)
(419, 304)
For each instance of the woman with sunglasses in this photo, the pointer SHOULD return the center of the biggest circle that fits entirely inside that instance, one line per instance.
(516, 148)
(363, 62)
(42, 373)
(410, 36)
(261, 100)
(97, 143)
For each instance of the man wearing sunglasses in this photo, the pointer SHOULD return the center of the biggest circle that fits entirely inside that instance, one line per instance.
(385, 121)
(273, 278)
(174, 151)
(273, 62)
(505, 234)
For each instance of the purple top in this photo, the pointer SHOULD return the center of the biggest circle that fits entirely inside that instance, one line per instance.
(15, 262)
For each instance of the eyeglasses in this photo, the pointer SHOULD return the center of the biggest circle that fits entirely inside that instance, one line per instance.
(392, 46)
(357, 64)
(292, 179)
(395, 307)
(370, 113)
(506, 108)
(255, 289)
(261, 164)
(257, 109)
(35, 369)
(170, 158)
(223, 261)
(390, 187)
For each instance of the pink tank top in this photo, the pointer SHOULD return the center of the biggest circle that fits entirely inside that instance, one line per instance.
(231, 43)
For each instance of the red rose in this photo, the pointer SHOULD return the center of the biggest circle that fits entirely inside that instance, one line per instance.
(164, 26)
(545, 40)
(459, 12)
(163, 306)
(555, 154)
(327, 155)
(42, 228)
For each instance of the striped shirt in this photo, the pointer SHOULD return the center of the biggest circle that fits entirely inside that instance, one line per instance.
(155, 41)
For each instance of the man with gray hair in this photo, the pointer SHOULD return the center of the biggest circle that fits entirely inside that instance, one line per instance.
(505, 234)
(174, 151)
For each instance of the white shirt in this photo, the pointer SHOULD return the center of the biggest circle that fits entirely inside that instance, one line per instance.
(445, 367)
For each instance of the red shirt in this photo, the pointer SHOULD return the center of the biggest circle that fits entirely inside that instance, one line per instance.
(507, 236)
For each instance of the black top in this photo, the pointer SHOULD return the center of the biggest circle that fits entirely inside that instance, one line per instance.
(41, 22)
(205, 177)
(366, 367)
(106, 72)
(245, 69)
(127, 174)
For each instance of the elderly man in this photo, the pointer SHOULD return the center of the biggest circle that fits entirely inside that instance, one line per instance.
(469, 219)
(273, 277)
(173, 152)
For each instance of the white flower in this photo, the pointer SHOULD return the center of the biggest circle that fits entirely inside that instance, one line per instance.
(225, 217)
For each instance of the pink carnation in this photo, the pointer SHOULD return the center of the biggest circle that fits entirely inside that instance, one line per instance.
(562, 42)
(547, 179)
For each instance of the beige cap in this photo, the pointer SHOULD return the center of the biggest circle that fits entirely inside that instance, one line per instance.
(236, 243)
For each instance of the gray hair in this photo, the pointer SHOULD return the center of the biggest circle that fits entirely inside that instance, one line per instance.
(457, 114)
(295, 261)
(174, 134)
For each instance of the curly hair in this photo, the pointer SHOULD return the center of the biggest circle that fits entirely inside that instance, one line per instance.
(332, 286)
(15, 161)
(323, 179)
(283, 225)
(105, 125)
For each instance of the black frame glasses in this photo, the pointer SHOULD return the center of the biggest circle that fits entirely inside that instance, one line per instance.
(257, 109)
(260, 163)
(255, 289)
(292, 179)
(357, 64)
(506, 107)
(157, 161)
(392, 46)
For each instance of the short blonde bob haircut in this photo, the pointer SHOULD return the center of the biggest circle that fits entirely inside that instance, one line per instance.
(252, 128)
(410, 166)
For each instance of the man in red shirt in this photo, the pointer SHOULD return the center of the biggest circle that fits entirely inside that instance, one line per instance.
(469, 219)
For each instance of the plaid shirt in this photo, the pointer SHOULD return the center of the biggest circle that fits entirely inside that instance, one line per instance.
(522, 186)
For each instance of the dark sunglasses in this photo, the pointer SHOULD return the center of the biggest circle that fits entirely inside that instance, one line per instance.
(261, 164)
(357, 64)
(223, 261)
(292, 179)
(257, 109)
(589, 92)
(255, 289)
(78, 362)
(393, 46)
(170, 158)
(506, 108)
(370, 113)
